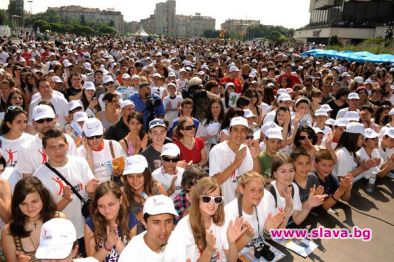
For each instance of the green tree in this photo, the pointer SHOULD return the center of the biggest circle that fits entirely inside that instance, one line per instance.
(3, 17)
(42, 24)
(209, 33)
(83, 21)
(104, 29)
(15, 12)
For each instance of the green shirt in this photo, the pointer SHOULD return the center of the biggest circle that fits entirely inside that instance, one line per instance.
(265, 164)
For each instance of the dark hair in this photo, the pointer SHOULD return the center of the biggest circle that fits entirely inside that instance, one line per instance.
(9, 116)
(52, 133)
(210, 84)
(268, 96)
(100, 224)
(209, 111)
(18, 92)
(109, 96)
(279, 160)
(341, 92)
(307, 129)
(180, 126)
(284, 109)
(186, 101)
(191, 175)
(366, 107)
(378, 115)
(348, 141)
(231, 112)
(243, 101)
(129, 191)
(24, 187)
(299, 152)
(323, 154)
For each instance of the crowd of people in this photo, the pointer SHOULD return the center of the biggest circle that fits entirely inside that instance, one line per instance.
(113, 149)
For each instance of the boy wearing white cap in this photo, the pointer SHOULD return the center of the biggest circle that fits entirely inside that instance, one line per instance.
(386, 150)
(31, 154)
(273, 141)
(59, 103)
(58, 242)
(169, 174)
(230, 159)
(158, 218)
(352, 101)
(368, 151)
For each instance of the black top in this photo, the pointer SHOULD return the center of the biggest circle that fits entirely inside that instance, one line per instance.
(311, 180)
(336, 108)
(117, 131)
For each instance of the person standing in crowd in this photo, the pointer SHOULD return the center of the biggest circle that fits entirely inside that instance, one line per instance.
(111, 113)
(99, 152)
(13, 134)
(172, 103)
(120, 129)
(136, 140)
(186, 111)
(31, 154)
(158, 219)
(75, 170)
(230, 159)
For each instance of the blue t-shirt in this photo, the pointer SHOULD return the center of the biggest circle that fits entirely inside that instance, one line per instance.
(140, 106)
(113, 256)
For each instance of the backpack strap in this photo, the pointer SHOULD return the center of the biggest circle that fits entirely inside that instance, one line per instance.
(272, 190)
(111, 147)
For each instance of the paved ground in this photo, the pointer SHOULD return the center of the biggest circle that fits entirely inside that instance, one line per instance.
(365, 210)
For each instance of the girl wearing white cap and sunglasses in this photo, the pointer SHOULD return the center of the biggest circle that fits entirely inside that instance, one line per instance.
(204, 234)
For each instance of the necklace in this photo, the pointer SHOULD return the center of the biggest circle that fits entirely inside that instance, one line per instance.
(32, 242)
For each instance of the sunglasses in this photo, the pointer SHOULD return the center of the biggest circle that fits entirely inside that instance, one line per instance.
(208, 199)
(94, 137)
(47, 120)
(189, 127)
(304, 137)
(170, 159)
(250, 137)
(15, 108)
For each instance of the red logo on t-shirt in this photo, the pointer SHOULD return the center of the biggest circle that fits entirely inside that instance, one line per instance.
(10, 156)
(60, 183)
(43, 155)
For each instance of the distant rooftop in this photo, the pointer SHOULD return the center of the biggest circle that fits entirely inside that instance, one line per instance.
(77, 8)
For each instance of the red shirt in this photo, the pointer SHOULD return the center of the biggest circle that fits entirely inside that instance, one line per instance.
(293, 79)
(193, 154)
(236, 81)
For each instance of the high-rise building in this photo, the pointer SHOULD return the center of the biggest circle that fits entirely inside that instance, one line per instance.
(165, 18)
(349, 20)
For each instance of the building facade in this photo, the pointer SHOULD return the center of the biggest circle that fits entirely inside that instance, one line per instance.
(79, 13)
(164, 16)
(195, 25)
(349, 20)
(237, 27)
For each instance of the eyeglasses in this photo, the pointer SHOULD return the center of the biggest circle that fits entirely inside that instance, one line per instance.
(189, 127)
(304, 137)
(94, 137)
(15, 108)
(249, 137)
(47, 120)
(208, 199)
(170, 159)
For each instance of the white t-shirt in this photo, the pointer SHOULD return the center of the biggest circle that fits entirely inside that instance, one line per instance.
(138, 250)
(102, 159)
(78, 173)
(175, 104)
(165, 179)
(266, 206)
(362, 154)
(220, 157)
(345, 163)
(281, 201)
(32, 154)
(61, 109)
(10, 148)
(212, 130)
(181, 244)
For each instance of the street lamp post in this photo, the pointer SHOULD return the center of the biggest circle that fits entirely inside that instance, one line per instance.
(30, 2)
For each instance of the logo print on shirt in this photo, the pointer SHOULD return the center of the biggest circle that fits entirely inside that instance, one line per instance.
(43, 155)
(60, 183)
(10, 156)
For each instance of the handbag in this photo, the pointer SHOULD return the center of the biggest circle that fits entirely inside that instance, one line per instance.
(85, 210)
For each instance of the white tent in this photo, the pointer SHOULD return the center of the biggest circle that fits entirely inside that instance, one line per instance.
(141, 32)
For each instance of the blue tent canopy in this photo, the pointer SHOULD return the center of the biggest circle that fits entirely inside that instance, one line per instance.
(362, 56)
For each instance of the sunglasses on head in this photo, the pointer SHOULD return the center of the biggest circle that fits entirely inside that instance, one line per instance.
(170, 159)
(47, 120)
(189, 127)
(208, 199)
(94, 137)
(304, 137)
(14, 108)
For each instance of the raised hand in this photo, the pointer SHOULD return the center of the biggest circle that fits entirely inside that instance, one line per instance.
(112, 234)
(235, 230)
(315, 200)
(67, 193)
(254, 148)
(211, 240)
(273, 222)
(289, 200)
(92, 185)
(319, 190)
(346, 182)
(239, 156)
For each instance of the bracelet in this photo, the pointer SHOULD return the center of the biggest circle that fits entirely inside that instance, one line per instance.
(105, 247)
(334, 197)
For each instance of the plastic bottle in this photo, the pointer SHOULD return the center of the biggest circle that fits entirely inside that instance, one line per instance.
(371, 183)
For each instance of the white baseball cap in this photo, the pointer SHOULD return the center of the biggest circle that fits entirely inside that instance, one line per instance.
(57, 79)
(170, 149)
(107, 78)
(135, 77)
(156, 75)
(326, 107)
(239, 121)
(42, 112)
(353, 96)
(268, 125)
(341, 122)
(321, 112)
(370, 133)
(284, 97)
(330, 122)
(125, 76)
(135, 165)
(73, 104)
(248, 113)
(229, 84)
(80, 116)
(345, 74)
(89, 86)
(352, 116)
(233, 69)
(157, 122)
(159, 204)
(317, 130)
(93, 127)
(391, 111)
(57, 237)
(125, 103)
(274, 133)
(87, 66)
(389, 132)
(281, 91)
(359, 79)
(171, 74)
(355, 128)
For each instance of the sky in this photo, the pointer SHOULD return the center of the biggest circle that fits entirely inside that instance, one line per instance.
(287, 13)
